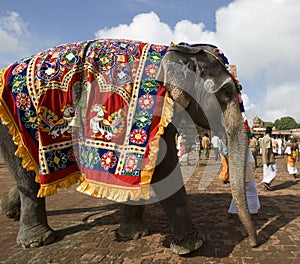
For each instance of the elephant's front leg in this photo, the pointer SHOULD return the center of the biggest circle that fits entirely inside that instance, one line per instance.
(34, 230)
(169, 187)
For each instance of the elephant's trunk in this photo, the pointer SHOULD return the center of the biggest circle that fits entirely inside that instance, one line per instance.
(237, 149)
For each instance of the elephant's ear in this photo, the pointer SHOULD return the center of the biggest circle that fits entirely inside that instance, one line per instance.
(177, 73)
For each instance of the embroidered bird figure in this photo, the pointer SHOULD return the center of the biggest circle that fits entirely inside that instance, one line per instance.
(106, 128)
(55, 128)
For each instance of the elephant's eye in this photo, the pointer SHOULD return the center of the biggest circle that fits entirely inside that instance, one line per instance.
(200, 70)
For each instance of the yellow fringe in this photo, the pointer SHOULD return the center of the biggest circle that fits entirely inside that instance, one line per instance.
(65, 183)
(123, 194)
(111, 192)
(22, 152)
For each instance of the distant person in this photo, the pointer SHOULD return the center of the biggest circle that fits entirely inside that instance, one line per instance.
(275, 145)
(205, 145)
(179, 141)
(183, 151)
(215, 141)
(198, 148)
(224, 173)
(268, 160)
(280, 146)
(292, 151)
(254, 147)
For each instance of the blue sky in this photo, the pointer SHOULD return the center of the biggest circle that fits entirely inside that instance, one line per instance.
(260, 36)
(67, 20)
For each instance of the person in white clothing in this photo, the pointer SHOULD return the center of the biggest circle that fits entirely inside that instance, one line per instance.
(251, 190)
(215, 141)
(280, 146)
(268, 160)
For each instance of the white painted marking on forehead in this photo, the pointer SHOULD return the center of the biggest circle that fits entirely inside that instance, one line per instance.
(209, 85)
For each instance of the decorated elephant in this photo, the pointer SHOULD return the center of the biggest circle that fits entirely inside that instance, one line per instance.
(105, 113)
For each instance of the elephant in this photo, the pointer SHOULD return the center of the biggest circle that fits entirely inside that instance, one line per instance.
(199, 84)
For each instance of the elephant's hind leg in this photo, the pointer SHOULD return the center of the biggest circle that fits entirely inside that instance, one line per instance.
(133, 226)
(185, 238)
(169, 187)
(34, 230)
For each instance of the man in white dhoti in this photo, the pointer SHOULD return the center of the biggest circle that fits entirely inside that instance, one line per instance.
(280, 146)
(268, 160)
(251, 190)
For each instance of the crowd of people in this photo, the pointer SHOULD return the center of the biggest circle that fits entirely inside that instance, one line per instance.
(267, 146)
(202, 146)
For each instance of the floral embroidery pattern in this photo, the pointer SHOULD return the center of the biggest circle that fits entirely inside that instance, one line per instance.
(91, 157)
(155, 57)
(19, 68)
(23, 101)
(131, 163)
(158, 48)
(18, 84)
(69, 58)
(57, 160)
(146, 101)
(143, 119)
(138, 136)
(82, 71)
(30, 119)
(122, 74)
(48, 71)
(151, 70)
(108, 160)
(104, 61)
(149, 85)
(81, 153)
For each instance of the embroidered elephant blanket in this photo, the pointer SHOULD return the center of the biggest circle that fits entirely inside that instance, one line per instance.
(88, 112)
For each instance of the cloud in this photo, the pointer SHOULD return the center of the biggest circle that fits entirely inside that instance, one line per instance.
(260, 36)
(149, 28)
(247, 102)
(282, 100)
(13, 37)
(16, 41)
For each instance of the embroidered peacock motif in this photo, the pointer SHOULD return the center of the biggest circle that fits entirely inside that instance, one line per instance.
(54, 126)
(106, 128)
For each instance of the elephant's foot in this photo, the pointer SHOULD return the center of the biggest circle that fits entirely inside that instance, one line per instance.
(187, 243)
(35, 237)
(10, 204)
(132, 231)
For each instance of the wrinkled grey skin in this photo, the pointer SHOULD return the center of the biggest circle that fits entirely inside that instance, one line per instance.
(10, 206)
(186, 73)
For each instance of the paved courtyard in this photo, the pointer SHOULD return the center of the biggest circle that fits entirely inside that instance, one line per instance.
(87, 226)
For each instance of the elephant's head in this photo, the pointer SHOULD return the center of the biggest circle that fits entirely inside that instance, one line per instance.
(198, 79)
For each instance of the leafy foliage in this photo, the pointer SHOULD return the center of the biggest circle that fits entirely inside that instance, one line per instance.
(269, 124)
(286, 122)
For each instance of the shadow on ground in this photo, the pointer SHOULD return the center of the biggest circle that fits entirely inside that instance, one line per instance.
(209, 214)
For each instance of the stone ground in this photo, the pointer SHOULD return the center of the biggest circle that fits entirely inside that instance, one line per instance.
(87, 226)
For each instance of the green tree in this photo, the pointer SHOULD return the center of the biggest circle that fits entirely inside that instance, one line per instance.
(286, 122)
(268, 124)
